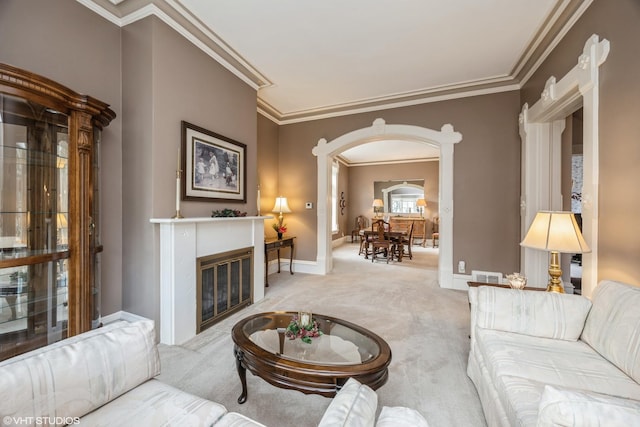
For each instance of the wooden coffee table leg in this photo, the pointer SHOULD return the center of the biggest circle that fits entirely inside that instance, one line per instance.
(242, 373)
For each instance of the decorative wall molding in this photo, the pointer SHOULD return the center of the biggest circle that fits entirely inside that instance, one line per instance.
(541, 127)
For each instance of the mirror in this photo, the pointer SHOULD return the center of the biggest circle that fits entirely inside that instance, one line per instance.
(399, 196)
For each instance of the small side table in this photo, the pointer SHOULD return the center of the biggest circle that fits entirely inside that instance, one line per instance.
(274, 244)
(502, 285)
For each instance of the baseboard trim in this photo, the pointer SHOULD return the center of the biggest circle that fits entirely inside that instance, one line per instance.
(299, 266)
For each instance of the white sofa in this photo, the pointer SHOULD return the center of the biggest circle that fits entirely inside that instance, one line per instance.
(105, 377)
(548, 359)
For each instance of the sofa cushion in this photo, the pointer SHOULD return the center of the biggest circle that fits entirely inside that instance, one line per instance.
(559, 407)
(556, 362)
(540, 314)
(354, 405)
(613, 326)
(74, 376)
(155, 403)
(399, 416)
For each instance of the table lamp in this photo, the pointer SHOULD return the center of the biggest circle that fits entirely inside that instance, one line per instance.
(281, 206)
(377, 204)
(555, 232)
(421, 204)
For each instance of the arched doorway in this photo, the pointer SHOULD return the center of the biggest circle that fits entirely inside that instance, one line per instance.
(444, 139)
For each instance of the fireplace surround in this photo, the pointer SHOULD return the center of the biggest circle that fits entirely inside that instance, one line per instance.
(182, 242)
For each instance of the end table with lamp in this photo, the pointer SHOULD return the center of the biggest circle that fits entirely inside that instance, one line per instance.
(275, 244)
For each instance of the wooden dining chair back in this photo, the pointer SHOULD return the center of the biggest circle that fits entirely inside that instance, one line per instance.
(407, 241)
(361, 224)
(381, 244)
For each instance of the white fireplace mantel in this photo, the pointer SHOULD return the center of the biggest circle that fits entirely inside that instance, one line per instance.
(184, 240)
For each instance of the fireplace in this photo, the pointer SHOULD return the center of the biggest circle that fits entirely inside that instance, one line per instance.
(224, 286)
(186, 242)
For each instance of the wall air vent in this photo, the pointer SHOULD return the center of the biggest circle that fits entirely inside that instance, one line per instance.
(486, 276)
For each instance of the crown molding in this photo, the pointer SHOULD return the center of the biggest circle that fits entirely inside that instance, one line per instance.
(173, 13)
(390, 103)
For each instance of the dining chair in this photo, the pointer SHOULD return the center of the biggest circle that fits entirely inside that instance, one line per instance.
(406, 242)
(361, 224)
(381, 244)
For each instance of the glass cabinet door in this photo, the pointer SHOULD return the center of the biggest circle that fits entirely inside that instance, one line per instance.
(34, 207)
(49, 211)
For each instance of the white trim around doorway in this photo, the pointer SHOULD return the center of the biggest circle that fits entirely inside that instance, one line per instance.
(445, 139)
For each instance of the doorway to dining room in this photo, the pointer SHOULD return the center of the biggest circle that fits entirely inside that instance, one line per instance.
(326, 152)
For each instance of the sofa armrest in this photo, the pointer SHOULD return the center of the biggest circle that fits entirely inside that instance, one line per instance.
(561, 407)
(540, 314)
(75, 376)
(399, 416)
(354, 405)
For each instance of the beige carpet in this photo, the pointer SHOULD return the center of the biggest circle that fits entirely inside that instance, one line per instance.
(426, 327)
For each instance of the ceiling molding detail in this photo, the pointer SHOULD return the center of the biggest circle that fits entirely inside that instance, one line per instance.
(171, 12)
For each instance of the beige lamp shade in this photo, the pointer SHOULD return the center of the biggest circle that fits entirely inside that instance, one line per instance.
(555, 231)
(421, 203)
(281, 205)
(377, 203)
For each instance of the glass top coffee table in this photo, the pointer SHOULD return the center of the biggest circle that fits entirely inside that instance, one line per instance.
(343, 350)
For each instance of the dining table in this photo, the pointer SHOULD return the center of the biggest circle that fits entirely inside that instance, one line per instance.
(395, 236)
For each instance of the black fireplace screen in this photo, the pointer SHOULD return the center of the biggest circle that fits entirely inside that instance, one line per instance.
(224, 285)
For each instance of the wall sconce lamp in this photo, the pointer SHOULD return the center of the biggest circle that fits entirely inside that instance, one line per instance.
(377, 205)
(555, 232)
(421, 205)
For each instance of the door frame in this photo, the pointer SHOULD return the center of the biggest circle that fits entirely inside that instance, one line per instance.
(541, 128)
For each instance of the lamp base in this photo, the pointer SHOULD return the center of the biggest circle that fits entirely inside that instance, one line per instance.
(555, 284)
(555, 288)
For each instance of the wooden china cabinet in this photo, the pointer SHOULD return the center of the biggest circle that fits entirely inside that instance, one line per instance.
(49, 234)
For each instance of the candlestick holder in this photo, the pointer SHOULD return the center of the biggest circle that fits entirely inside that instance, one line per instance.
(178, 215)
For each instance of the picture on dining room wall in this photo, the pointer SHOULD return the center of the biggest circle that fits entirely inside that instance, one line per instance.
(214, 166)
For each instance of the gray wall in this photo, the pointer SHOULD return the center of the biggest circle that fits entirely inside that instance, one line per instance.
(167, 80)
(617, 21)
(486, 173)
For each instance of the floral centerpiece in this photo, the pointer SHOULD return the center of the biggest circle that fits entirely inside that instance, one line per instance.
(280, 228)
(304, 327)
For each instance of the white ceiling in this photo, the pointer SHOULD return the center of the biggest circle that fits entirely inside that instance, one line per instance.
(311, 59)
(329, 53)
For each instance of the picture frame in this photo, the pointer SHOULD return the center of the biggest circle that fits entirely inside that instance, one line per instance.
(215, 167)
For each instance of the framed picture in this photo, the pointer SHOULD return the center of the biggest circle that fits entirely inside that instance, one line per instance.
(215, 167)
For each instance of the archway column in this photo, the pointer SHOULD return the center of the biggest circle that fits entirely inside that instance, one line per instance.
(444, 139)
(445, 263)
